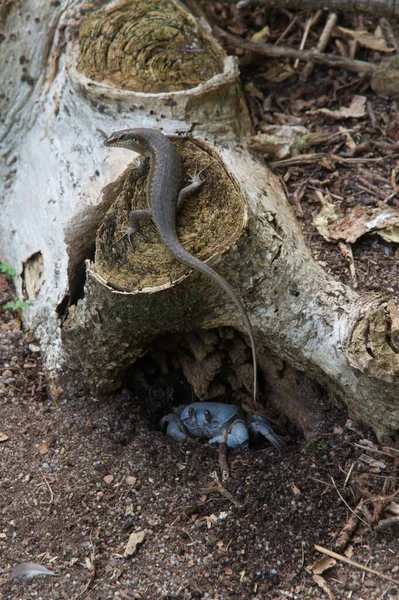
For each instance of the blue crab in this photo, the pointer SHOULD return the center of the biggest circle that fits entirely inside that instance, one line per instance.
(208, 420)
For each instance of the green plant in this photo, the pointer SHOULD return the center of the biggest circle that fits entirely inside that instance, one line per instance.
(320, 444)
(7, 270)
(17, 306)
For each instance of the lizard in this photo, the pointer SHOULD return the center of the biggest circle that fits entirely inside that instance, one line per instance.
(165, 196)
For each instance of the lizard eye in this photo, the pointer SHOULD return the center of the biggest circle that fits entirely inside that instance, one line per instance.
(191, 413)
(208, 416)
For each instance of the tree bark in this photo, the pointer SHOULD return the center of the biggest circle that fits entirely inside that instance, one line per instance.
(66, 202)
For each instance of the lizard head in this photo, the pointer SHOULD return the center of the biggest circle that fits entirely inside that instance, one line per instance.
(125, 139)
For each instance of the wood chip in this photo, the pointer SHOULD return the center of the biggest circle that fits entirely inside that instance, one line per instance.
(135, 539)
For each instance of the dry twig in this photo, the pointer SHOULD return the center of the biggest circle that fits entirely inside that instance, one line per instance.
(346, 251)
(349, 529)
(388, 9)
(331, 60)
(49, 489)
(219, 489)
(322, 43)
(304, 38)
(223, 457)
(385, 523)
(351, 562)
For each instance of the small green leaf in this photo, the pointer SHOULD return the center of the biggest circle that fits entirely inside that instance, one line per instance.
(7, 270)
(18, 305)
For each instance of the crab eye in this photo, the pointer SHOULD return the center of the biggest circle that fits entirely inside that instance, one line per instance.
(208, 416)
(191, 413)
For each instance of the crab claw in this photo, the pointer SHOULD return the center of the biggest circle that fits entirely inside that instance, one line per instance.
(237, 436)
(258, 426)
(173, 427)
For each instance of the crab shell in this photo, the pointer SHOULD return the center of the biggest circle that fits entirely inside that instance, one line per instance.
(209, 419)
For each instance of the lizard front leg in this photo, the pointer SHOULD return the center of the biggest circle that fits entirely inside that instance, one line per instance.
(190, 189)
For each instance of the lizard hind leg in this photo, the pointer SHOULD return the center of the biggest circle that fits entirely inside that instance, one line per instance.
(135, 217)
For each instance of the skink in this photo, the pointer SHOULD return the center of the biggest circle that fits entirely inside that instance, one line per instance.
(165, 197)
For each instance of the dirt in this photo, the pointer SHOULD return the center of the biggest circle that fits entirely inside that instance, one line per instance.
(77, 480)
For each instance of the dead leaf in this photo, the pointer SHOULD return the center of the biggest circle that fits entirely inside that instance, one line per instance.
(321, 582)
(34, 348)
(220, 546)
(262, 35)
(338, 430)
(211, 520)
(108, 479)
(390, 234)
(361, 220)
(278, 141)
(278, 73)
(323, 564)
(349, 141)
(251, 88)
(43, 449)
(329, 213)
(373, 41)
(369, 443)
(296, 491)
(372, 462)
(356, 110)
(4, 285)
(135, 539)
(384, 80)
(393, 508)
(349, 561)
(3, 437)
(301, 104)
(334, 226)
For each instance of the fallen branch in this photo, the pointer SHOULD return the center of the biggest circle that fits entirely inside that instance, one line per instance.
(348, 561)
(224, 467)
(389, 9)
(349, 529)
(331, 60)
(322, 43)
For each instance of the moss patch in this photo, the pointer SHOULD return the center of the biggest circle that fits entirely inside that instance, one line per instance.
(147, 46)
(209, 223)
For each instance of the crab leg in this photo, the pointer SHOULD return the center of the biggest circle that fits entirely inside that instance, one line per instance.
(237, 436)
(174, 428)
(258, 426)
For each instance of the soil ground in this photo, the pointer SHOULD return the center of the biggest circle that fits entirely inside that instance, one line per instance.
(77, 480)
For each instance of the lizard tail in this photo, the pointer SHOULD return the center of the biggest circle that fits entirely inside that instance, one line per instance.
(194, 263)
